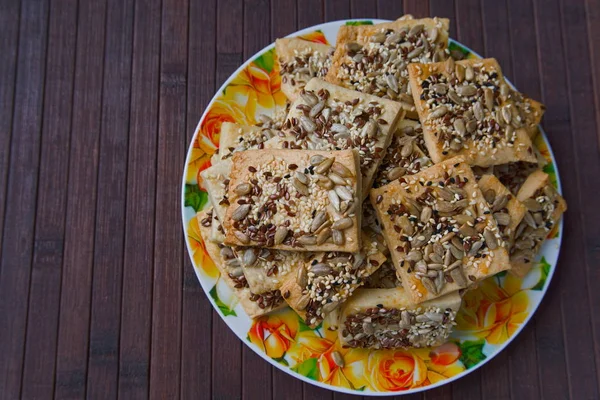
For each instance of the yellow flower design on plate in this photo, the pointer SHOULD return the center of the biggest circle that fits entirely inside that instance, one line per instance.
(199, 254)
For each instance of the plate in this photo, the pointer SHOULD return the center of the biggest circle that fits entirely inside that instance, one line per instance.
(490, 318)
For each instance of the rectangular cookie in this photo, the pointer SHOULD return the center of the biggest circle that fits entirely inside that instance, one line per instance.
(282, 199)
(328, 117)
(467, 109)
(232, 274)
(236, 137)
(406, 154)
(328, 279)
(438, 227)
(506, 209)
(215, 179)
(387, 319)
(299, 61)
(372, 58)
(544, 209)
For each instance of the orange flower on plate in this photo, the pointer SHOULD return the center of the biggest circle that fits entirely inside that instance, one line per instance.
(316, 36)
(274, 334)
(199, 254)
(256, 91)
(494, 312)
(395, 370)
(222, 110)
(443, 362)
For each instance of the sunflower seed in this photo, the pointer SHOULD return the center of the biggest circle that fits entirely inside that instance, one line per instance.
(392, 82)
(300, 187)
(378, 37)
(242, 189)
(316, 109)
(532, 205)
(502, 218)
(449, 66)
(415, 52)
(309, 98)
(323, 235)
(488, 96)
(369, 130)
(471, 126)
(226, 253)
(249, 257)
(319, 219)
(324, 181)
(405, 224)
(426, 214)
(241, 236)
(396, 173)
(307, 240)
(439, 112)
(478, 111)
(466, 90)
(353, 46)
(506, 114)
(459, 126)
(475, 248)
(359, 261)
(301, 277)
(458, 277)
(445, 193)
(344, 193)
(454, 97)
(241, 212)
(307, 123)
(435, 258)
(440, 88)
(529, 220)
(338, 237)
(334, 199)
(457, 253)
(368, 328)
(236, 272)
(421, 266)
(504, 90)
(342, 224)
(416, 30)
(316, 159)
(460, 72)
(320, 269)
(303, 302)
(490, 239)
(341, 170)
(324, 166)
(429, 285)
(280, 235)
(469, 73)
(490, 196)
(433, 34)
(499, 203)
(335, 178)
(414, 255)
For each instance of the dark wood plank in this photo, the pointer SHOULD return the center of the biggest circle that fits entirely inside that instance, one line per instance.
(73, 333)
(310, 12)
(136, 307)
(440, 393)
(582, 363)
(337, 9)
(389, 9)
(468, 387)
(286, 386)
(107, 278)
(312, 392)
(9, 42)
(42, 318)
(444, 9)
(283, 18)
(226, 347)
(497, 38)
(418, 8)
(19, 222)
(360, 9)
(593, 14)
(469, 24)
(165, 367)
(257, 15)
(549, 319)
(196, 363)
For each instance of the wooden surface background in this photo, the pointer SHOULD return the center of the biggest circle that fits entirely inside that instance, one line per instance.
(99, 100)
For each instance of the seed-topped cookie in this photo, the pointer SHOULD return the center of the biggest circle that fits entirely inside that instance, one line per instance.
(266, 269)
(299, 61)
(373, 58)
(387, 319)
(544, 209)
(232, 274)
(290, 200)
(328, 279)
(406, 154)
(440, 231)
(328, 117)
(236, 137)
(506, 209)
(466, 108)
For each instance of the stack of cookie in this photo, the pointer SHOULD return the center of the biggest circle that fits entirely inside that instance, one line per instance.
(397, 168)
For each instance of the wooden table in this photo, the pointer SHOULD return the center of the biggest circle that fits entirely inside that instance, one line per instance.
(99, 100)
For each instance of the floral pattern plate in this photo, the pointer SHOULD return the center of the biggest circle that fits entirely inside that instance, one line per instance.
(491, 316)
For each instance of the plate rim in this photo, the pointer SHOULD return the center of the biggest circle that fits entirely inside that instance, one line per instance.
(288, 370)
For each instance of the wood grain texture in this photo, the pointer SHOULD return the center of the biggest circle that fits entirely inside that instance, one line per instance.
(100, 101)
(42, 316)
(136, 305)
(21, 193)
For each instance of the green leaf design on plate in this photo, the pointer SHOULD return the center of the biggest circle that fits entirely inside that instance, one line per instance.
(453, 47)
(195, 197)
(549, 169)
(471, 352)
(224, 308)
(357, 23)
(282, 360)
(545, 270)
(308, 369)
(266, 60)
